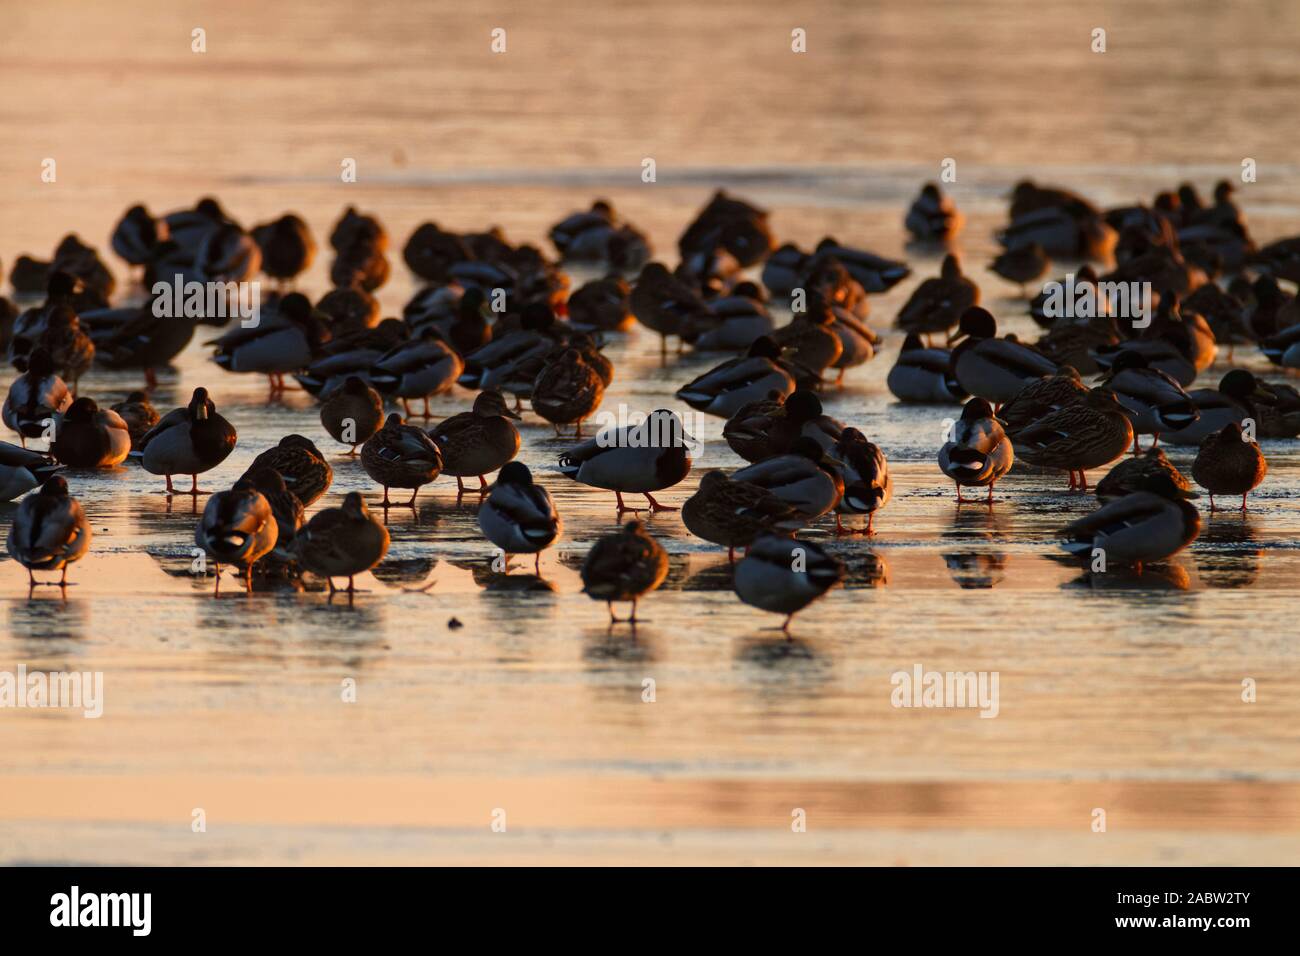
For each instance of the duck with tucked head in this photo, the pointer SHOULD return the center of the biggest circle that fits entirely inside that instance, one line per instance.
(352, 413)
(784, 576)
(806, 478)
(237, 528)
(417, 368)
(733, 513)
(924, 375)
(299, 462)
(933, 217)
(1229, 463)
(91, 437)
(1086, 434)
(401, 456)
(1136, 474)
(36, 397)
(868, 485)
(477, 442)
(286, 342)
(978, 451)
(518, 515)
(938, 303)
(342, 542)
(1146, 526)
(287, 247)
(663, 303)
(1237, 399)
(50, 531)
(724, 390)
(1156, 403)
(188, 441)
(1022, 265)
(636, 458)
(22, 470)
(567, 391)
(287, 509)
(624, 566)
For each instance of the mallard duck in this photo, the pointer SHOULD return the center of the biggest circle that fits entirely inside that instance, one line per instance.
(599, 236)
(285, 506)
(349, 309)
(937, 304)
(237, 528)
(662, 302)
(748, 431)
(1071, 300)
(341, 542)
(1156, 403)
(430, 252)
(22, 470)
(188, 441)
(1040, 398)
(784, 270)
(978, 451)
(732, 323)
(809, 344)
(351, 354)
(923, 375)
(1137, 473)
(868, 485)
(727, 223)
(36, 397)
(417, 369)
(784, 576)
(147, 340)
(1022, 264)
(1280, 259)
(91, 437)
(733, 513)
(137, 235)
(299, 462)
(83, 263)
(1070, 229)
(360, 266)
(725, 389)
(401, 456)
(519, 516)
(1077, 343)
(933, 217)
(805, 478)
(227, 254)
(287, 247)
(477, 442)
(993, 368)
(859, 342)
(624, 566)
(352, 413)
(49, 531)
(1229, 464)
(1236, 399)
(187, 228)
(1146, 526)
(1089, 433)
(438, 306)
(354, 228)
(634, 459)
(567, 391)
(604, 304)
(286, 342)
(1281, 418)
(874, 273)
(489, 366)
(70, 349)
(827, 281)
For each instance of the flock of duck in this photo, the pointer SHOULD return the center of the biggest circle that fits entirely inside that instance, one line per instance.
(501, 319)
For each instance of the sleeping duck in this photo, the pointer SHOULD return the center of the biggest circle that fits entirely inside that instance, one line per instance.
(868, 485)
(937, 304)
(783, 576)
(237, 528)
(723, 390)
(624, 566)
(49, 531)
(91, 437)
(22, 470)
(518, 515)
(1139, 528)
(993, 368)
(36, 397)
(733, 513)
(401, 456)
(636, 458)
(805, 478)
(341, 542)
(978, 451)
(923, 375)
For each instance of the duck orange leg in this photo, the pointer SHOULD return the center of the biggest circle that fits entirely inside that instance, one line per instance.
(656, 507)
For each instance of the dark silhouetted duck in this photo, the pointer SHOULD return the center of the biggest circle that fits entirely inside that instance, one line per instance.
(624, 566)
(138, 235)
(276, 346)
(602, 304)
(22, 470)
(1077, 437)
(477, 442)
(1236, 399)
(49, 531)
(1137, 474)
(417, 368)
(993, 368)
(924, 375)
(868, 486)
(352, 413)
(784, 576)
(36, 397)
(1155, 402)
(1229, 463)
(937, 304)
(933, 217)
(1022, 265)
(663, 303)
(188, 441)
(1144, 527)
(287, 247)
(401, 456)
(567, 391)
(733, 513)
(724, 390)
(638, 458)
(342, 542)
(805, 478)
(91, 437)
(518, 515)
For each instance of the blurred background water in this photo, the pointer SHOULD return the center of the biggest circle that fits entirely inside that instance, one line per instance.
(1115, 693)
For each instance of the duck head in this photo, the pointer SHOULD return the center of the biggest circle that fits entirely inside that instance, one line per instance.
(976, 323)
(764, 347)
(354, 506)
(55, 487)
(515, 473)
(490, 403)
(201, 407)
(82, 411)
(803, 406)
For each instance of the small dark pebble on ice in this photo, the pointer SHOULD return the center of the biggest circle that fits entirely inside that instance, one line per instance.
(454, 623)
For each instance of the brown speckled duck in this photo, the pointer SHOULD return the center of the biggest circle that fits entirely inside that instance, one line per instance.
(733, 513)
(401, 456)
(299, 462)
(477, 442)
(352, 413)
(567, 391)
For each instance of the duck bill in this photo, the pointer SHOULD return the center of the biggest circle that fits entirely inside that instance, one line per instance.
(955, 337)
